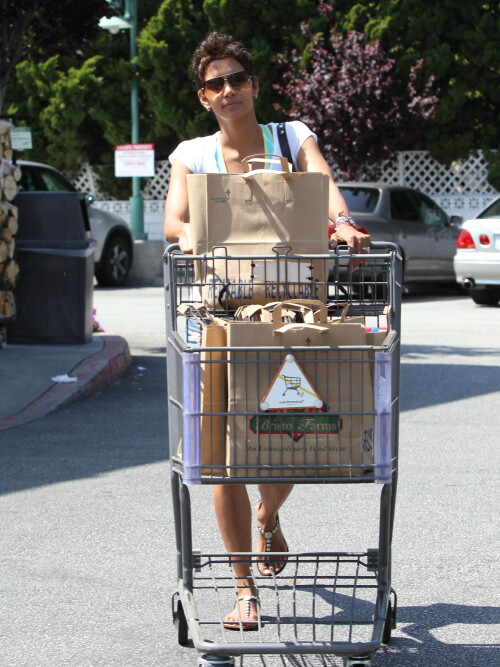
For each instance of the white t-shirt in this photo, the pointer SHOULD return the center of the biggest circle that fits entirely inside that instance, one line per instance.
(199, 155)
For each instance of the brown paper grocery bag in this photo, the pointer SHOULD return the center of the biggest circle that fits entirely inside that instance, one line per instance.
(250, 214)
(275, 438)
(213, 385)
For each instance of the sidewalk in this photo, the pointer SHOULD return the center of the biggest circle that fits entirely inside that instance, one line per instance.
(35, 379)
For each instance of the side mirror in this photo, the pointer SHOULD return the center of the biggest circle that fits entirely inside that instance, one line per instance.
(456, 220)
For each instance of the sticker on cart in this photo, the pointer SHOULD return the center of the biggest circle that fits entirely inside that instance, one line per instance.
(290, 389)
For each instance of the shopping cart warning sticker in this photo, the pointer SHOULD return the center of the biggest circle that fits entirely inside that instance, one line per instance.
(290, 389)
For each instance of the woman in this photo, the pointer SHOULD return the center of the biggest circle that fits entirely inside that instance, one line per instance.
(227, 87)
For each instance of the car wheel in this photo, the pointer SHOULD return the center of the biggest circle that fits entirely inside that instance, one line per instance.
(115, 262)
(489, 296)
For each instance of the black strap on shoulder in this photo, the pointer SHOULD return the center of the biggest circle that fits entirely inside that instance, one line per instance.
(284, 145)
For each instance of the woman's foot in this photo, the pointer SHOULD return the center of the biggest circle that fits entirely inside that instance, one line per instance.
(245, 615)
(270, 539)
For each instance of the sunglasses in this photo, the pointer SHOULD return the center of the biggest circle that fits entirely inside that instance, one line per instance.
(237, 81)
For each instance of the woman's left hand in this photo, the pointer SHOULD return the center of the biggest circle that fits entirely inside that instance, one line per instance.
(358, 242)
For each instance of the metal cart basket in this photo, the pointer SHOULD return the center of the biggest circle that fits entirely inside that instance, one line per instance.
(221, 431)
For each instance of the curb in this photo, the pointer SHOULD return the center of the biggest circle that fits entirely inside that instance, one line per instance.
(94, 373)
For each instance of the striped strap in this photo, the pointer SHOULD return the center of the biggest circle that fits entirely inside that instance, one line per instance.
(267, 135)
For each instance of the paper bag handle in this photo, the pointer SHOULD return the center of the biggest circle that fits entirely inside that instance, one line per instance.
(308, 303)
(194, 309)
(267, 158)
(265, 312)
(296, 326)
(248, 312)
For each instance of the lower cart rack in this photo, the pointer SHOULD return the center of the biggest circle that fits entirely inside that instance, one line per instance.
(322, 603)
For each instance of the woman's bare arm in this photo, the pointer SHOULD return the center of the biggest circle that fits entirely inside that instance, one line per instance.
(176, 225)
(310, 158)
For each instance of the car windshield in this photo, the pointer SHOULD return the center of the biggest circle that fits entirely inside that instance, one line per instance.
(360, 200)
(493, 210)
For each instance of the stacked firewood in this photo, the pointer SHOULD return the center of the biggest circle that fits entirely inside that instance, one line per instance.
(10, 174)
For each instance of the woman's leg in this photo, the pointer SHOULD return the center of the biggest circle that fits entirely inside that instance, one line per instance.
(272, 498)
(234, 516)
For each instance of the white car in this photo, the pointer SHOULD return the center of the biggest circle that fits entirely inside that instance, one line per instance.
(477, 257)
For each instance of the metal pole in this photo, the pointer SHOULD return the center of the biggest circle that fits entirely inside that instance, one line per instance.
(136, 201)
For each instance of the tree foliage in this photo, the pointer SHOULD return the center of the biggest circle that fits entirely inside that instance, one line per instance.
(77, 103)
(72, 82)
(167, 43)
(459, 43)
(348, 94)
(29, 28)
(77, 108)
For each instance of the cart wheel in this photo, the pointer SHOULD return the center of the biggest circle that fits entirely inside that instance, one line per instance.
(179, 619)
(390, 620)
(209, 660)
(386, 634)
(357, 662)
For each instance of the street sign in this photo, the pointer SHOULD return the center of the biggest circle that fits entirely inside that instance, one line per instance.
(135, 160)
(20, 138)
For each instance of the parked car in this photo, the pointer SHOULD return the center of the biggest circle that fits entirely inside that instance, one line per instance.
(424, 232)
(114, 251)
(477, 258)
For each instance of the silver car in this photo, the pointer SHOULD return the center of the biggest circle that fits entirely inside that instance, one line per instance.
(477, 258)
(114, 251)
(424, 232)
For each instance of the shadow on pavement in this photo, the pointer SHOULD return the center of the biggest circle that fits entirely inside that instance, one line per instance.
(438, 634)
(126, 425)
(123, 426)
(444, 383)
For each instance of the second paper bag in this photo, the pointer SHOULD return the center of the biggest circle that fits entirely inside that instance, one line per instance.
(213, 391)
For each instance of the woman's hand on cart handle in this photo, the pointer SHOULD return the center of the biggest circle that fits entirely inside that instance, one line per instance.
(358, 241)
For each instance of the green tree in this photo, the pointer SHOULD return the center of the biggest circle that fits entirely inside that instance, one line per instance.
(77, 103)
(348, 95)
(31, 27)
(459, 43)
(166, 45)
(77, 108)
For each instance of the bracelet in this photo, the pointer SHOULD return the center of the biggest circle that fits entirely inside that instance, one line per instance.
(344, 219)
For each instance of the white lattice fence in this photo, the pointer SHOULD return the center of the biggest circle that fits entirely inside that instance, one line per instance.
(460, 188)
(156, 187)
(87, 181)
(417, 169)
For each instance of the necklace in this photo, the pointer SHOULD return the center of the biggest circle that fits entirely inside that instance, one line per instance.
(268, 149)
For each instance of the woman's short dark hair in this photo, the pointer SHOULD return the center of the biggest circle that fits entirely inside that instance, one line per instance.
(215, 47)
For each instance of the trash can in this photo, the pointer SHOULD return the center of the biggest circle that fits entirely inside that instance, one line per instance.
(55, 253)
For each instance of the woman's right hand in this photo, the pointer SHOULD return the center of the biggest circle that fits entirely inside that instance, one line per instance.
(185, 241)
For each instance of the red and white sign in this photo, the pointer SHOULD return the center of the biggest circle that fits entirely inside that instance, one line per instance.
(135, 160)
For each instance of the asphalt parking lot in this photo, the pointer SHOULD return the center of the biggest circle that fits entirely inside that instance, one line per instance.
(88, 564)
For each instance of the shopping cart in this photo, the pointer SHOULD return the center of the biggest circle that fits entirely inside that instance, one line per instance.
(292, 383)
(337, 603)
